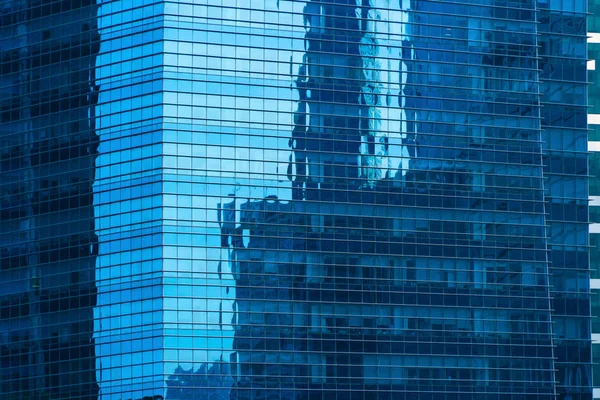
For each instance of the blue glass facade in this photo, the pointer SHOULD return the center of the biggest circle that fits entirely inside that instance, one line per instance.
(564, 120)
(48, 244)
(286, 199)
(593, 146)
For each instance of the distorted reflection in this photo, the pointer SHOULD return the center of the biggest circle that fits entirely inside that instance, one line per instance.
(312, 199)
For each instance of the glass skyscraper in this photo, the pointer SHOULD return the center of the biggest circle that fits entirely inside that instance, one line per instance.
(295, 200)
(48, 241)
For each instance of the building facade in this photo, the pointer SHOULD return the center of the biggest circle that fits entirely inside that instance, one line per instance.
(286, 199)
(593, 146)
(48, 244)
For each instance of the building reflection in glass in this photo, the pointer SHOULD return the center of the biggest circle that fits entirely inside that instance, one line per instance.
(293, 200)
(393, 268)
(314, 199)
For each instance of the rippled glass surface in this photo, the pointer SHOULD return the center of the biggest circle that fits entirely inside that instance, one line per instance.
(294, 200)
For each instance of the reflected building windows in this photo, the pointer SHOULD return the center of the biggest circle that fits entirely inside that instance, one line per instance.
(294, 199)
